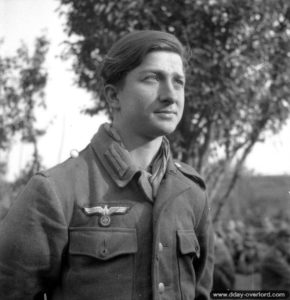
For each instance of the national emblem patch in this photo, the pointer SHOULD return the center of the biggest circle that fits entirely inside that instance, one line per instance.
(105, 212)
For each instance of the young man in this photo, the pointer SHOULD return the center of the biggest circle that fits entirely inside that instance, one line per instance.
(120, 220)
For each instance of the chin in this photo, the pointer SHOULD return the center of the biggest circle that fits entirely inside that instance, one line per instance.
(158, 131)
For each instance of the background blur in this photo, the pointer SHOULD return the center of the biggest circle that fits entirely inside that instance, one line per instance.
(50, 49)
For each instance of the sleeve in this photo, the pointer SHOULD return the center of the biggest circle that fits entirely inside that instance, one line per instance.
(33, 236)
(204, 270)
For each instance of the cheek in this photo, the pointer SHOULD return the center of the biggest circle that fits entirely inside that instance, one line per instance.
(146, 95)
(145, 102)
(136, 108)
(181, 104)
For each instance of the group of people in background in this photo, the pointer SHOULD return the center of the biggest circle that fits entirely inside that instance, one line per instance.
(261, 252)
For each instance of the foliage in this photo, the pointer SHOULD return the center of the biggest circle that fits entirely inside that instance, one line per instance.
(262, 196)
(22, 81)
(238, 79)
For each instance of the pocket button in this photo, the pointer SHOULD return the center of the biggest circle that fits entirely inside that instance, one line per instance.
(104, 252)
(161, 287)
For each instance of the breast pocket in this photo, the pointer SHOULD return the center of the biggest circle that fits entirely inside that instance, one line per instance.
(189, 252)
(103, 259)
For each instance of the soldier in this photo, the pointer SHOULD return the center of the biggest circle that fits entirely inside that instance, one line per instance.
(119, 220)
(275, 266)
(224, 268)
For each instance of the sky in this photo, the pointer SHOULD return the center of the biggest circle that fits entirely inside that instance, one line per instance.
(67, 128)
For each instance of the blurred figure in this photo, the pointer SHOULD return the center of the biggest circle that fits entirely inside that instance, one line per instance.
(234, 239)
(268, 225)
(248, 260)
(224, 269)
(275, 266)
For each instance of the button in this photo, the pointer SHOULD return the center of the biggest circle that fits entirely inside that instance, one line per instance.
(160, 247)
(74, 153)
(104, 252)
(161, 287)
(178, 165)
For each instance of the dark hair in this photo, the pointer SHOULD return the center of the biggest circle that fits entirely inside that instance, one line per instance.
(128, 52)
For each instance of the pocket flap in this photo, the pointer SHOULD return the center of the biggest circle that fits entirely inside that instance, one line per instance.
(188, 242)
(102, 243)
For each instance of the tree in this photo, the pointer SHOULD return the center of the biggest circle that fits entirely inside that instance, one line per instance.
(237, 80)
(22, 82)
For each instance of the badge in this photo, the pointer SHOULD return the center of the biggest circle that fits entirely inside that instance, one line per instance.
(105, 212)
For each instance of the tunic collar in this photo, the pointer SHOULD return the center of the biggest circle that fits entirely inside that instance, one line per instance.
(117, 163)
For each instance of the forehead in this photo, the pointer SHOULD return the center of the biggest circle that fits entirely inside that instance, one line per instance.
(164, 61)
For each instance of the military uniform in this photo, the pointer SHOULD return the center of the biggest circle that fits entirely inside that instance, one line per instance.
(85, 230)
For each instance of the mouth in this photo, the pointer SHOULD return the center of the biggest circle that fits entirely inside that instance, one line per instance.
(166, 115)
(166, 112)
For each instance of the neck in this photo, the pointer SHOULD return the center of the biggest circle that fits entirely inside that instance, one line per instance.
(142, 150)
(143, 154)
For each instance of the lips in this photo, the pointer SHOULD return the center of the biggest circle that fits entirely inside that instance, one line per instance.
(165, 111)
(166, 115)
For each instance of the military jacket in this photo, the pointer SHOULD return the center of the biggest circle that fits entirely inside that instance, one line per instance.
(84, 230)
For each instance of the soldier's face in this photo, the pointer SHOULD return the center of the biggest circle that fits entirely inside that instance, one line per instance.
(151, 99)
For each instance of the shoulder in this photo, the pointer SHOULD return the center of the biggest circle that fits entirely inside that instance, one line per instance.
(190, 173)
(74, 167)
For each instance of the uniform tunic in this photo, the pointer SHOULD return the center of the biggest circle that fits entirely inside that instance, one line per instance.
(86, 230)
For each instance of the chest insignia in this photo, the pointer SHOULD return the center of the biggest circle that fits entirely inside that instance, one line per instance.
(106, 212)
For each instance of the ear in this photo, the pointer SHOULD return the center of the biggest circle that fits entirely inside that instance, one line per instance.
(111, 94)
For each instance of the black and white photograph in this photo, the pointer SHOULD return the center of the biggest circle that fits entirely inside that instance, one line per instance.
(144, 149)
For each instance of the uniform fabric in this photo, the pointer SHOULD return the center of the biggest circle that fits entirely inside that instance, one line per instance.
(149, 180)
(55, 240)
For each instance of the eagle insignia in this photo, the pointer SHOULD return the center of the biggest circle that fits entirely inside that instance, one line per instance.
(105, 212)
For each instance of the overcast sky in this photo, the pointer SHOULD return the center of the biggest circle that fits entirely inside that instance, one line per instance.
(67, 128)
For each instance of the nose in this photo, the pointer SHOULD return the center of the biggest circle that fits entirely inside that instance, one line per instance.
(167, 92)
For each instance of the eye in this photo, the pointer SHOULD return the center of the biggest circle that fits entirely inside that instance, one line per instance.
(151, 77)
(179, 81)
